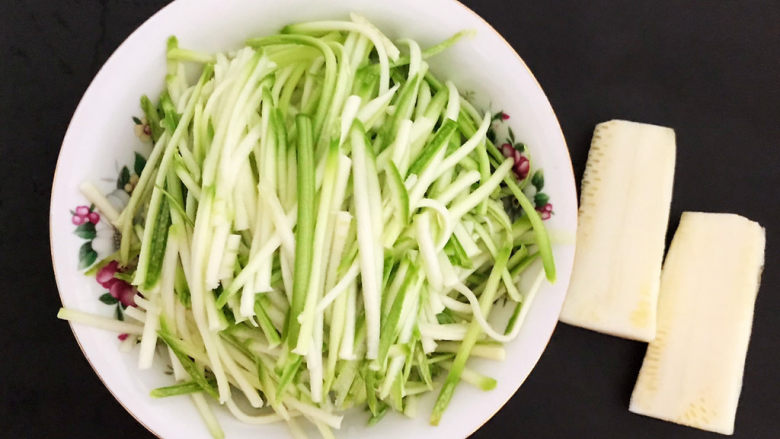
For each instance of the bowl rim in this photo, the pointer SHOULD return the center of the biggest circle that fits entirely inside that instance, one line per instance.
(456, 3)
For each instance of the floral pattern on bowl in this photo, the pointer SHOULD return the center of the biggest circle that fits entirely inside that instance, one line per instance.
(511, 148)
(95, 255)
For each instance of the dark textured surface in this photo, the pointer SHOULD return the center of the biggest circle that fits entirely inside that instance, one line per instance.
(710, 69)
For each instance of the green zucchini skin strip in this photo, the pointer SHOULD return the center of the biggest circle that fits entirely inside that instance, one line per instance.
(178, 389)
(197, 376)
(540, 231)
(440, 140)
(486, 303)
(329, 84)
(305, 228)
(150, 257)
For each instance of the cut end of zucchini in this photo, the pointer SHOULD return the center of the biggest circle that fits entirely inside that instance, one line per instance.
(692, 371)
(624, 210)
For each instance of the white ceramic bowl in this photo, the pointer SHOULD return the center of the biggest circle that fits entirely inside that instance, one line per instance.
(100, 140)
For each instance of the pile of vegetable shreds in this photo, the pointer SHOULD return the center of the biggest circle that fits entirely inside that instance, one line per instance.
(321, 225)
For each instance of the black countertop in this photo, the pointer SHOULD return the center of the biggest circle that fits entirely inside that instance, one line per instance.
(710, 69)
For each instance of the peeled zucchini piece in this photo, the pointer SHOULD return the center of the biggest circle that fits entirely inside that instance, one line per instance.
(692, 371)
(624, 210)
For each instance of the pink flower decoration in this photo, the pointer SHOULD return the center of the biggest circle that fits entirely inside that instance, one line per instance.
(504, 116)
(545, 212)
(119, 289)
(82, 214)
(93, 217)
(522, 167)
(123, 291)
(507, 150)
(105, 277)
(122, 337)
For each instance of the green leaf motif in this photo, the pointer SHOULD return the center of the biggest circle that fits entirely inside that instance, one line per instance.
(86, 231)
(138, 164)
(511, 135)
(108, 299)
(87, 255)
(538, 180)
(120, 315)
(136, 120)
(124, 178)
(540, 199)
